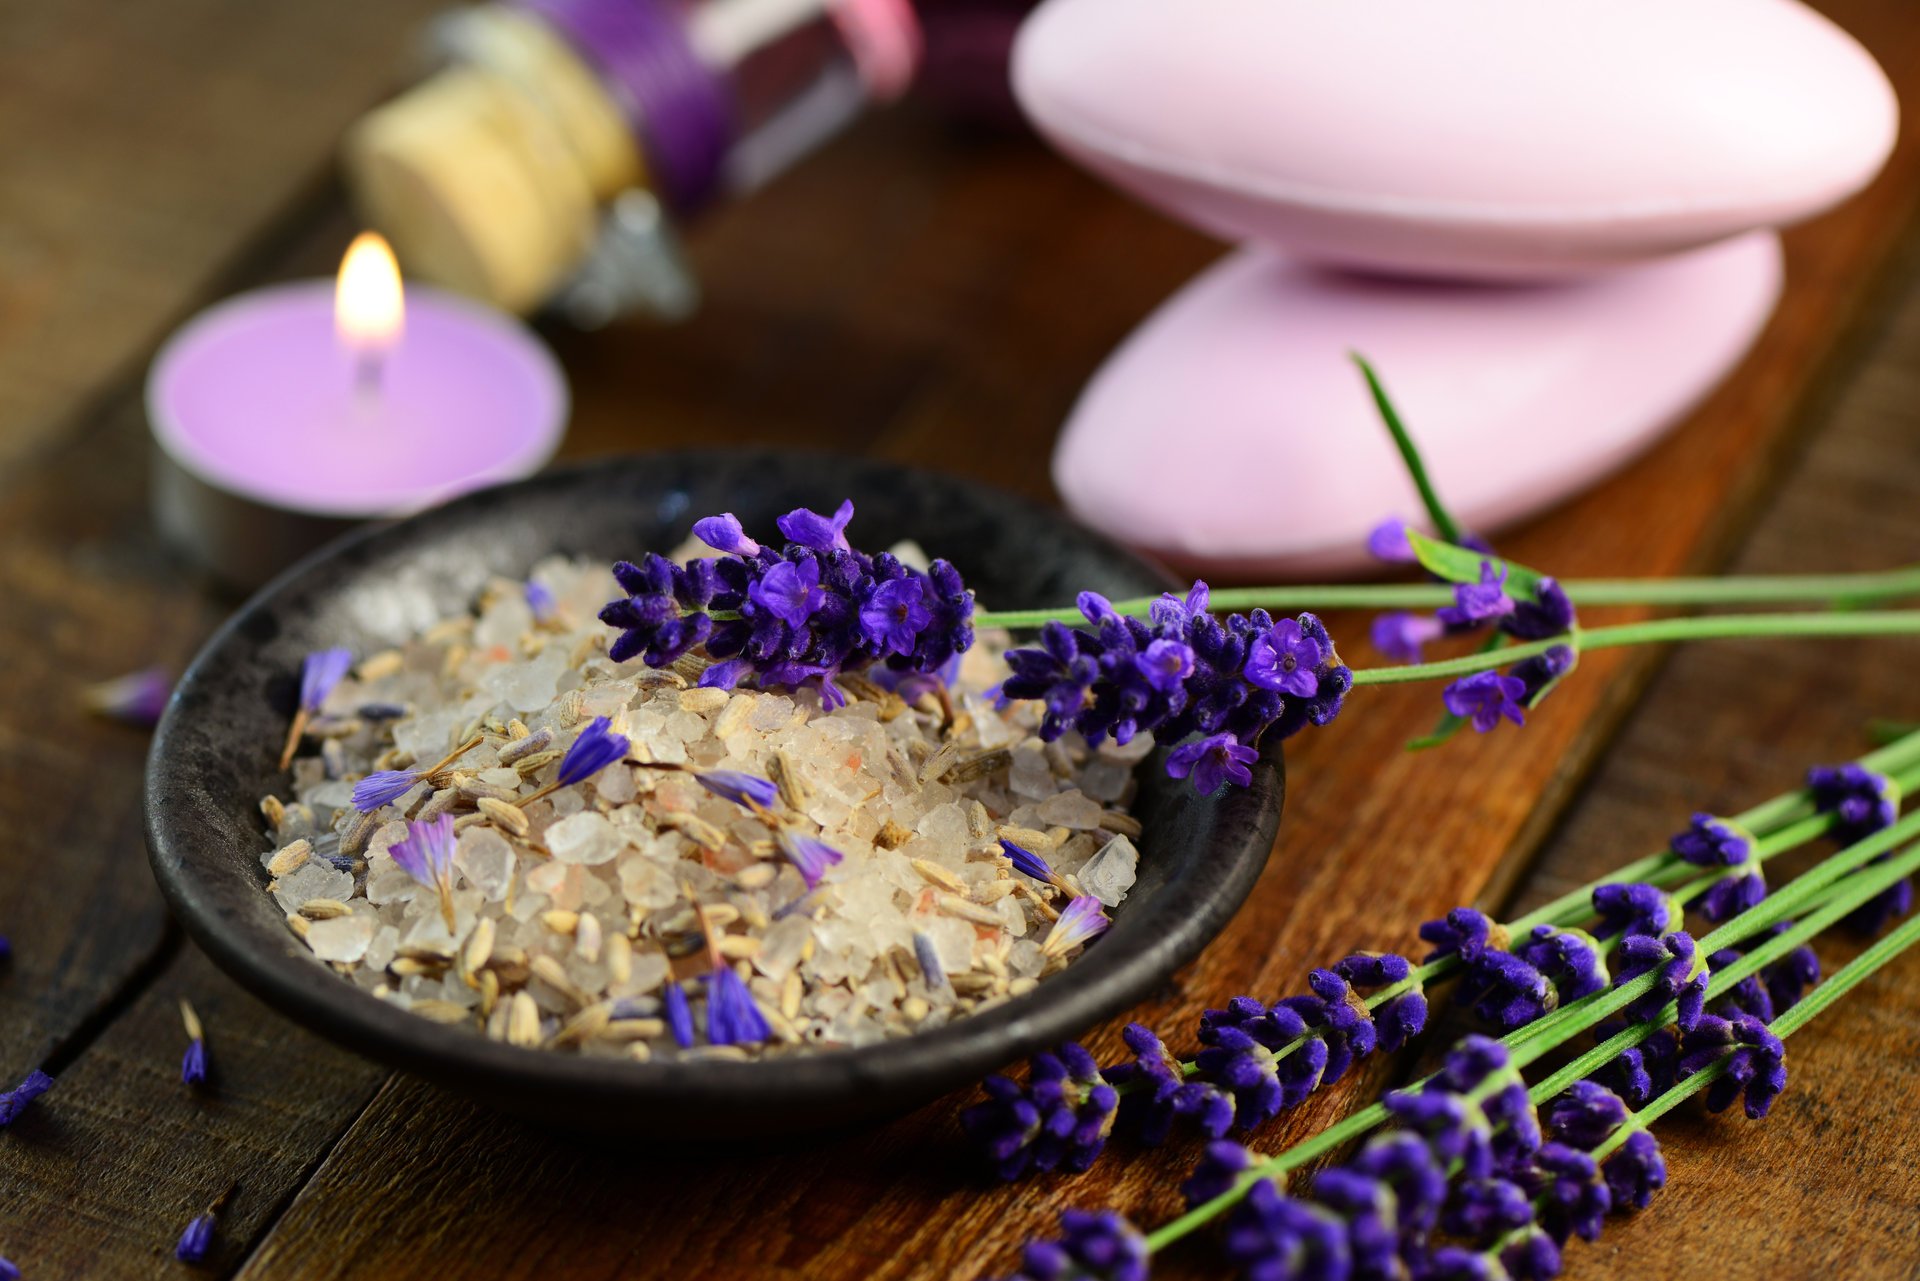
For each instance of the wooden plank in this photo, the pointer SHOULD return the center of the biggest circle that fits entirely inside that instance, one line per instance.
(145, 146)
(104, 1172)
(1374, 841)
(1831, 1182)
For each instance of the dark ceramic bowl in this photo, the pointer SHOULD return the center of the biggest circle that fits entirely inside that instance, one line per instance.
(213, 758)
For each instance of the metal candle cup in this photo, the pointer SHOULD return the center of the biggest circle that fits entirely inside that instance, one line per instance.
(278, 425)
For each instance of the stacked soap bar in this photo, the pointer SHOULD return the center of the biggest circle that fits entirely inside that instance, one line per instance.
(1550, 225)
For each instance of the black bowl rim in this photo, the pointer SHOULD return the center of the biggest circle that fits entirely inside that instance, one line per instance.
(1093, 989)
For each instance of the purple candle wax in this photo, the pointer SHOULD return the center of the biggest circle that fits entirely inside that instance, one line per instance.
(278, 425)
(259, 397)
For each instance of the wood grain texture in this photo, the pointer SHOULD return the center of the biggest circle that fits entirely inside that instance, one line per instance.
(935, 297)
(142, 147)
(104, 1172)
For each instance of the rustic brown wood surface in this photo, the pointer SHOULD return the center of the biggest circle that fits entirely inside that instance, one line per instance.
(931, 295)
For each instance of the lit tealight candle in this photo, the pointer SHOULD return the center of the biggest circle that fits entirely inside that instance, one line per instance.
(286, 415)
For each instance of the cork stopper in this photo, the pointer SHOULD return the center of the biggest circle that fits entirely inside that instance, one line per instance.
(481, 186)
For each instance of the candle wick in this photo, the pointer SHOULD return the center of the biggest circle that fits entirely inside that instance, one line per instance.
(369, 372)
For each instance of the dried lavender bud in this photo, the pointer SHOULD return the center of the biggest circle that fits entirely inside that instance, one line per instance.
(1092, 1247)
(797, 616)
(1180, 673)
(1712, 842)
(1059, 1120)
(15, 1101)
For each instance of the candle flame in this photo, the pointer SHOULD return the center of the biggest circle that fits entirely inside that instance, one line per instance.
(368, 308)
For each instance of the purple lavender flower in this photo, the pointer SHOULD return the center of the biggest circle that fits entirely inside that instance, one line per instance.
(1635, 1172)
(6, 949)
(1412, 1173)
(732, 1016)
(1483, 698)
(1712, 842)
(1026, 861)
(821, 533)
(1388, 541)
(540, 601)
(1642, 1072)
(1081, 921)
(1370, 1210)
(679, 1014)
(1164, 664)
(9, 1270)
(1539, 673)
(747, 790)
(15, 1101)
(426, 854)
(1093, 1247)
(1237, 1055)
(1464, 932)
(1631, 907)
(1681, 976)
(927, 957)
(137, 698)
(1789, 978)
(1545, 614)
(810, 855)
(596, 748)
(1285, 658)
(724, 534)
(794, 617)
(383, 787)
(1219, 1170)
(193, 1064)
(1108, 680)
(1861, 801)
(196, 1241)
(1532, 1255)
(1729, 896)
(1476, 603)
(1484, 1210)
(1451, 1125)
(1454, 1263)
(1506, 990)
(1584, 1116)
(1571, 1197)
(1213, 762)
(1059, 1120)
(1269, 1234)
(1749, 996)
(895, 615)
(790, 591)
(319, 673)
(1756, 1062)
(1402, 636)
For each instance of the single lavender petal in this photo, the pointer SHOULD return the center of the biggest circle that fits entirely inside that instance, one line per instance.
(724, 533)
(732, 1016)
(383, 787)
(319, 673)
(742, 789)
(15, 1101)
(137, 698)
(596, 748)
(810, 855)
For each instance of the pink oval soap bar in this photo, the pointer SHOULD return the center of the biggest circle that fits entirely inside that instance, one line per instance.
(1231, 434)
(1472, 138)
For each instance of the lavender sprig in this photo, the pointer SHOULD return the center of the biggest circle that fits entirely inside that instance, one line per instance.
(1231, 684)
(799, 615)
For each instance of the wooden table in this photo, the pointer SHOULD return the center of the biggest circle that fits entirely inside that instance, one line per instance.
(920, 293)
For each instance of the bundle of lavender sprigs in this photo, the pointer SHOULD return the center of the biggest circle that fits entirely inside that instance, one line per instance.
(1481, 1174)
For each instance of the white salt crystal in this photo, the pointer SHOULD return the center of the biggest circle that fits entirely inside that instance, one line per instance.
(1030, 775)
(650, 970)
(1106, 780)
(500, 776)
(952, 941)
(504, 622)
(313, 879)
(344, 938)
(486, 860)
(1071, 809)
(945, 826)
(780, 947)
(614, 784)
(1109, 874)
(586, 837)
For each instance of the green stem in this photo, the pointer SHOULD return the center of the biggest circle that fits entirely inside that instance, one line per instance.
(1526, 1048)
(1833, 590)
(1842, 981)
(1659, 631)
(1437, 512)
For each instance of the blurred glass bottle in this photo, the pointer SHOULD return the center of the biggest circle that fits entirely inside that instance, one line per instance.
(549, 158)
